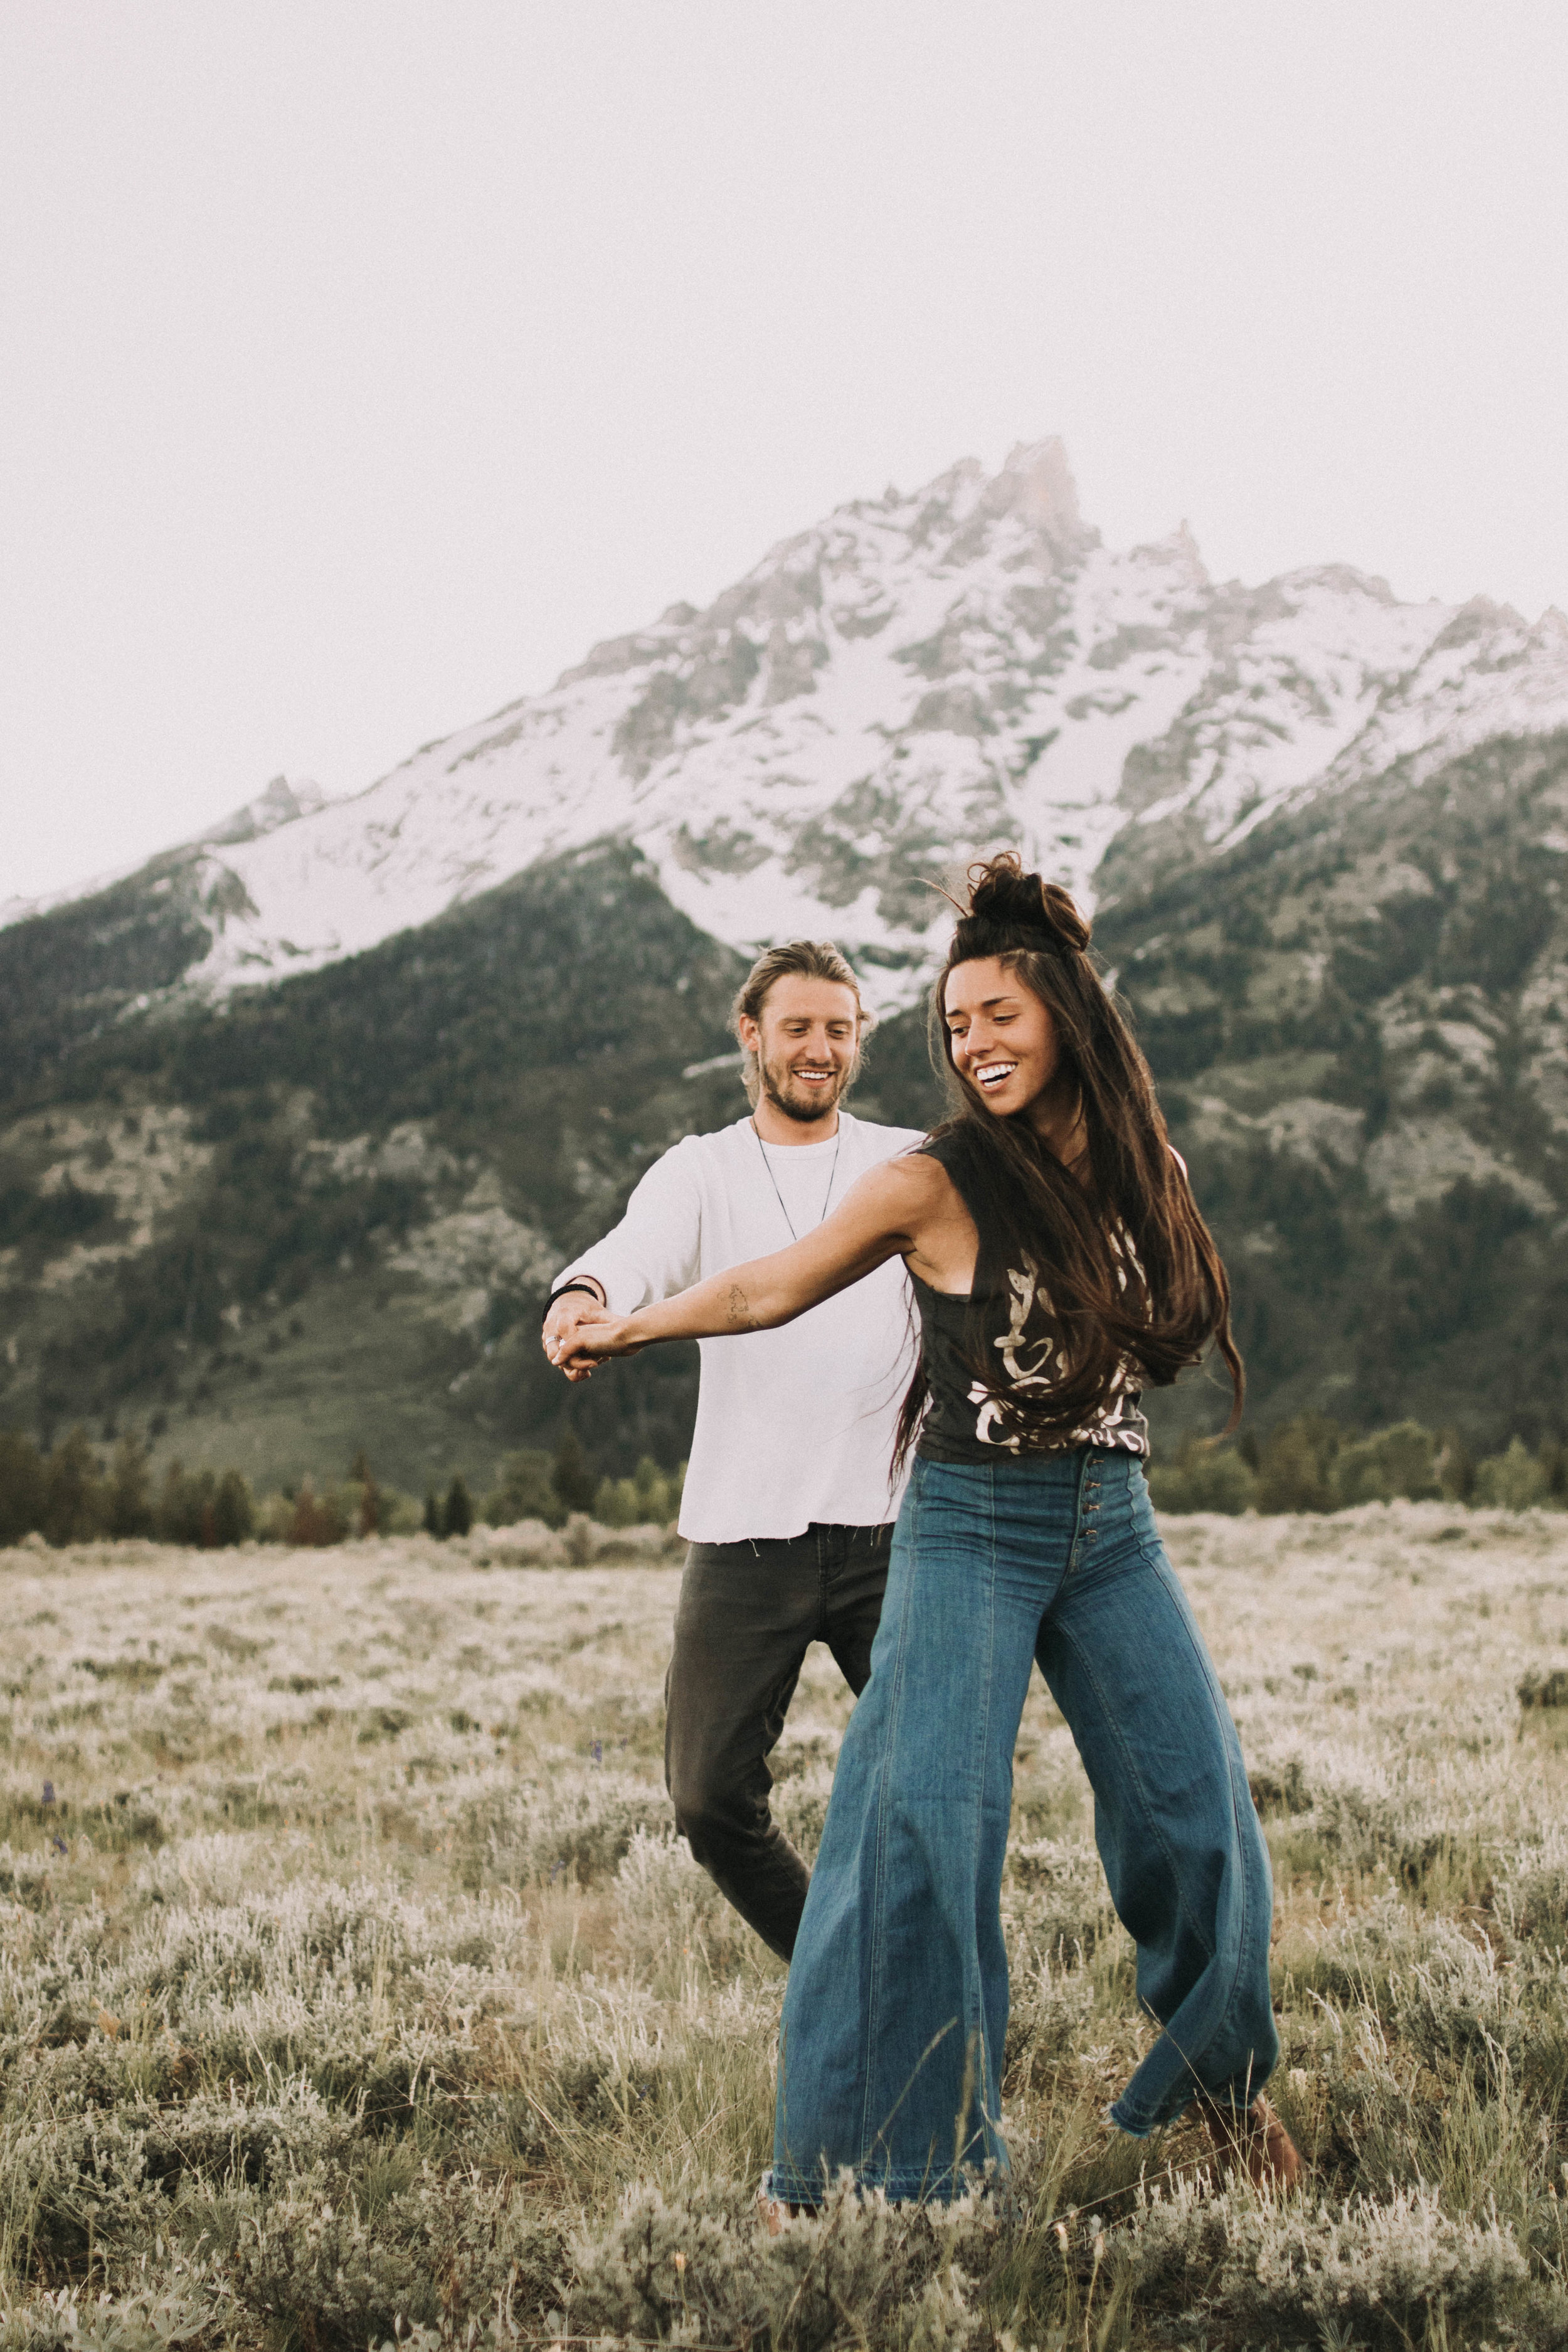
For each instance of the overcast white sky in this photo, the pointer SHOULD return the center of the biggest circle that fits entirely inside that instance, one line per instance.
(362, 362)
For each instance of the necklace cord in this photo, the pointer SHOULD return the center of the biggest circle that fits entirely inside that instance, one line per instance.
(774, 1181)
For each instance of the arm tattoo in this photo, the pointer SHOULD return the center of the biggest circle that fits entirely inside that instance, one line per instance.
(740, 1311)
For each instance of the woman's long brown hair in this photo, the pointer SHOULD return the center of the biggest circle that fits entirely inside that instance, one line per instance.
(1161, 1309)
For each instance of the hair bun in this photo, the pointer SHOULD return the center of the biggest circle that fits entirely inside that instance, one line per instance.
(1001, 892)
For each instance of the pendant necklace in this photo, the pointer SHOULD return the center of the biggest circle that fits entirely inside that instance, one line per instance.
(774, 1181)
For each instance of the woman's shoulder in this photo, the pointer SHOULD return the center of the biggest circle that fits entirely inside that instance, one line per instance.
(953, 1149)
(916, 1169)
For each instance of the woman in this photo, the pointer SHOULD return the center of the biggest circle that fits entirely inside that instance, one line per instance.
(1059, 1264)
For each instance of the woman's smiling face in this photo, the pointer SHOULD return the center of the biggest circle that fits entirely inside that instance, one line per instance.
(1001, 1037)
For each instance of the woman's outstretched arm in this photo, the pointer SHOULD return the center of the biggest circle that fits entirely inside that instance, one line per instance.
(880, 1217)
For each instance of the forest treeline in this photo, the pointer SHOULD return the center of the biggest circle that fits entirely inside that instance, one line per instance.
(1312, 1464)
(74, 1494)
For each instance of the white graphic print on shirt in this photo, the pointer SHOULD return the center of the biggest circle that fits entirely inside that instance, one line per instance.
(1039, 1362)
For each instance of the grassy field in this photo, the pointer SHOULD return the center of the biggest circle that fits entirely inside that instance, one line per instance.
(354, 1986)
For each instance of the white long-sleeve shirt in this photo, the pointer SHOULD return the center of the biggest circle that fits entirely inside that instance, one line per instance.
(794, 1426)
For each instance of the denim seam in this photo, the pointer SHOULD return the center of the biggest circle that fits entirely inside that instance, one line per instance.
(1137, 1780)
(1074, 1560)
(1190, 2058)
(1077, 1527)
(983, 1749)
(776, 1690)
(1114, 1726)
(1237, 1826)
(895, 1696)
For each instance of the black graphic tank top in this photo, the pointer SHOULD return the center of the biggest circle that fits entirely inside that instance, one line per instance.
(961, 1422)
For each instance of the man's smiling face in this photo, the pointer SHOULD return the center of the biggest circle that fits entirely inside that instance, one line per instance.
(806, 1042)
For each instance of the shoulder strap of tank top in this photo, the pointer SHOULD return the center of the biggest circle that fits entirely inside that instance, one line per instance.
(952, 1152)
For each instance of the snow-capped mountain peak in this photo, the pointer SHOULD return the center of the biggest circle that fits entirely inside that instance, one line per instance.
(915, 679)
(281, 803)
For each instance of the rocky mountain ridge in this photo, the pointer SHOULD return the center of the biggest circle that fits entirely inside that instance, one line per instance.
(1359, 1018)
(296, 1120)
(913, 681)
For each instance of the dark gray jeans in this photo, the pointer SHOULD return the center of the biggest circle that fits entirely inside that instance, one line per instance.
(747, 1614)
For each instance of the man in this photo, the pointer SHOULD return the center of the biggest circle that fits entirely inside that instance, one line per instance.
(789, 1498)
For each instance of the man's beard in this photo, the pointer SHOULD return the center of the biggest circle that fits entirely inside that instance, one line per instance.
(805, 1106)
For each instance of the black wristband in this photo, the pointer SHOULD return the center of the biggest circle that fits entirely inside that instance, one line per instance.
(565, 1291)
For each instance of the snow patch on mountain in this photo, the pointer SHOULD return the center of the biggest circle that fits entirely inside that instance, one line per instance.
(282, 802)
(916, 680)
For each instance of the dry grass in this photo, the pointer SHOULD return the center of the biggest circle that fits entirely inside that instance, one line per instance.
(352, 1983)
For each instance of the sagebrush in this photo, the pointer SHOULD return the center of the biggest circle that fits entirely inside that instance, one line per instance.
(355, 1987)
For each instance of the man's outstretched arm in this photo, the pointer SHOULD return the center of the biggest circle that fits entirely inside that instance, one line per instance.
(655, 1251)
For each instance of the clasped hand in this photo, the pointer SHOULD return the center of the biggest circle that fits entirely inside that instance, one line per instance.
(588, 1338)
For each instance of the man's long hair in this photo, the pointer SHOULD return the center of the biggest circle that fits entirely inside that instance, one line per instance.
(807, 960)
(1129, 1270)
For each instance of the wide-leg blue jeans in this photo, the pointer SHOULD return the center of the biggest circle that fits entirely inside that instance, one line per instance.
(895, 2013)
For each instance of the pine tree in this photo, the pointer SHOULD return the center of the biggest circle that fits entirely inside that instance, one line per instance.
(458, 1517)
(173, 1521)
(369, 1494)
(1456, 1469)
(75, 1494)
(129, 1503)
(21, 1488)
(572, 1476)
(652, 1490)
(524, 1490)
(234, 1512)
(433, 1524)
(317, 1519)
